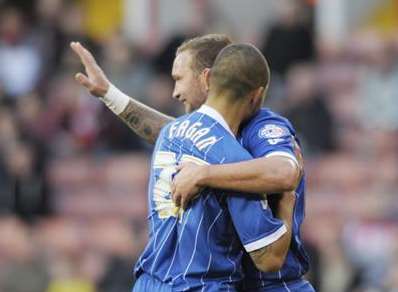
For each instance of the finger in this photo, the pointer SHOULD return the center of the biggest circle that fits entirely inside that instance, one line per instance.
(177, 200)
(78, 50)
(181, 166)
(83, 80)
(173, 189)
(174, 196)
(85, 56)
(184, 202)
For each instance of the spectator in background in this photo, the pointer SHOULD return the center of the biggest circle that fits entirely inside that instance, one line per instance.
(114, 238)
(8, 138)
(126, 65)
(20, 62)
(130, 70)
(308, 111)
(63, 240)
(378, 87)
(27, 185)
(47, 109)
(289, 40)
(372, 258)
(163, 61)
(24, 268)
(47, 33)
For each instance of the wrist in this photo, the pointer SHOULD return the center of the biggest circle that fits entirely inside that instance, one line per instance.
(115, 100)
(104, 90)
(285, 214)
(203, 175)
(286, 217)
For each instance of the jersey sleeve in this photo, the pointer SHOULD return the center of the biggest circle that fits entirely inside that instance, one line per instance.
(254, 222)
(252, 218)
(270, 137)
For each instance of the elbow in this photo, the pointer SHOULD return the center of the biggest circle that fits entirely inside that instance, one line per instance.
(290, 184)
(270, 265)
(288, 178)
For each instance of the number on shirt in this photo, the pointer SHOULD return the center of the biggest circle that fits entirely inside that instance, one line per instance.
(167, 162)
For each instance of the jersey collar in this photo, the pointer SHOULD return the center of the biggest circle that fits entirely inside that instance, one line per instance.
(211, 112)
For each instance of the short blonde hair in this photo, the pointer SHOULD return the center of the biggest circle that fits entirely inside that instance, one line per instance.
(204, 49)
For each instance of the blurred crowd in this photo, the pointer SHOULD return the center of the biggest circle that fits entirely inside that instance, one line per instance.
(73, 177)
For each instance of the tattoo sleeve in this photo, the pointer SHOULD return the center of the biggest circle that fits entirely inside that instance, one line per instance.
(144, 121)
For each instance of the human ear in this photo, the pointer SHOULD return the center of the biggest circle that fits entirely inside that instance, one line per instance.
(257, 98)
(205, 78)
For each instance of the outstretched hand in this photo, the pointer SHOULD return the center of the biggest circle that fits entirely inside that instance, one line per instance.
(94, 80)
(185, 183)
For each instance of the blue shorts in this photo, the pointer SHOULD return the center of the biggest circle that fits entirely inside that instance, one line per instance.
(293, 286)
(146, 283)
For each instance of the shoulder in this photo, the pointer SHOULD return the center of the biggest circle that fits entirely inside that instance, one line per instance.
(267, 124)
(265, 115)
(228, 149)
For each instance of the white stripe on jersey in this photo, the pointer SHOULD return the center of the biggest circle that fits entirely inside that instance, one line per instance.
(163, 243)
(142, 262)
(179, 240)
(284, 154)
(267, 240)
(208, 240)
(233, 263)
(178, 275)
(183, 227)
(261, 278)
(194, 250)
(208, 268)
(284, 284)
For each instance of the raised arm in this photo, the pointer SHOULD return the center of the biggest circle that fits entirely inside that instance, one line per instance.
(143, 120)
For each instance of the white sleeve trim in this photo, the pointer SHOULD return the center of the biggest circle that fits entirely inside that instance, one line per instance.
(263, 242)
(115, 100)
(284, 154)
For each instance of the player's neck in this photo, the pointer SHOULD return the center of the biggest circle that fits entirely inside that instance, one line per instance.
(232, 113)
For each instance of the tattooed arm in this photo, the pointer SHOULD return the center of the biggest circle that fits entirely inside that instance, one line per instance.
(143, 120)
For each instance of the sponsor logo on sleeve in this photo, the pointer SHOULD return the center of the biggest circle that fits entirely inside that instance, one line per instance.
(272, 133)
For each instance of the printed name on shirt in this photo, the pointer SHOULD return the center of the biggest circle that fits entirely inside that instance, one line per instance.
(193, 132)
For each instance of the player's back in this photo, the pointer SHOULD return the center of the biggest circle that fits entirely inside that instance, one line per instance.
(198, 248)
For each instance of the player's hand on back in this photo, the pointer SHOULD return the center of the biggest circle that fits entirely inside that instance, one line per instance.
(94, 80)
(185, 184)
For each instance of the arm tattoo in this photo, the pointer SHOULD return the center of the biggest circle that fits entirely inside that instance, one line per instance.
(144, 121)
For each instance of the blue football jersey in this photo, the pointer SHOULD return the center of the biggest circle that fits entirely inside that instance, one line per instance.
(201, 248)
(267, 134)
